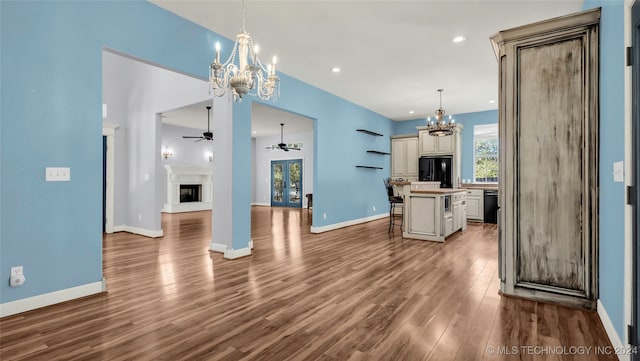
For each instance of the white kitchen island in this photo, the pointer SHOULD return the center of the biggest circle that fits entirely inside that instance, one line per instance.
(434, 214)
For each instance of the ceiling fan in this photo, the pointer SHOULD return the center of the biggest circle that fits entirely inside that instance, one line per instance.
(208, 135)
(282, 145)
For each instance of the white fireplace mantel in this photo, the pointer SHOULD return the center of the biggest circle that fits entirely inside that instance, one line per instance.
(185, 174)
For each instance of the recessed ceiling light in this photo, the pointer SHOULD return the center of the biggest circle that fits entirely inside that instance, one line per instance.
(459, 39)
(335, 69)
(411, 112)
(492, 101)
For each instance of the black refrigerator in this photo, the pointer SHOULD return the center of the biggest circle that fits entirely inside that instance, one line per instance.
(436, 169)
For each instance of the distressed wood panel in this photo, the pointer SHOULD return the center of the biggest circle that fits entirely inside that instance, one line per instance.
(551, 246)
(548, 117)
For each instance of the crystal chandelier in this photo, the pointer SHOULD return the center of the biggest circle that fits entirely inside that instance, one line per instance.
(440, 128)
(244, 78)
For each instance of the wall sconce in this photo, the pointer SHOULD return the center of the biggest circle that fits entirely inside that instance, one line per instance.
(166, 153)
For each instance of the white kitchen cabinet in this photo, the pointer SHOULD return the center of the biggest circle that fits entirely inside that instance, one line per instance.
(404, 157)
(475, 204)
(448, 224)
(459, 217)
(430, 145)
(425, 216)
(457, 214)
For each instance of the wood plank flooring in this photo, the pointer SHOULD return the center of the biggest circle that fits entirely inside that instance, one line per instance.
(356, 293)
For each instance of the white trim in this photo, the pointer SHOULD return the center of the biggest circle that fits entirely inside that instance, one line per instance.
(611, 332)
(218, 247)
(187, 207)
(141, 231)
(628, 156)
(51, 298)
(109, 130)
(231, 253)
(352, 222)
(237, 253)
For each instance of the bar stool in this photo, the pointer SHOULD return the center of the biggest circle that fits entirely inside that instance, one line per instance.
(394, 200)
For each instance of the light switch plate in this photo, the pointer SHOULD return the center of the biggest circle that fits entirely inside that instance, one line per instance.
(57, 174)
(618, 172)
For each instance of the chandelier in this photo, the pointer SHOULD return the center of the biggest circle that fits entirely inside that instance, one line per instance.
(440, 128)
(249, 76)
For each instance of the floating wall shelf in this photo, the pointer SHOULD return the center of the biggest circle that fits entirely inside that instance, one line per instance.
(369, 132)
(368, 167)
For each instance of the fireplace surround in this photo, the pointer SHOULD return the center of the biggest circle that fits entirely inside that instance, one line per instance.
(188, 188)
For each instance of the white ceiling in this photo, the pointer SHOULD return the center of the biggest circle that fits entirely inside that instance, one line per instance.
(265, 120)
(394, 55)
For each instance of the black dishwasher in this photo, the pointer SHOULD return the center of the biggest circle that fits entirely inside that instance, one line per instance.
(490, 206)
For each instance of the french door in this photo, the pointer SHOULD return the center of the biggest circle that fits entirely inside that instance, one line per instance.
(286, 183)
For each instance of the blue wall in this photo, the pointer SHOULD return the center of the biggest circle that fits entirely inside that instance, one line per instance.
(469, 120)
(51, 116)
(611, 198)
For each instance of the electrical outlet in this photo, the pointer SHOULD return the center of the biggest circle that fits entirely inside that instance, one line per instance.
(57, 174)
(17, 271)
(374, 208)
(139, 217)
(324, 215)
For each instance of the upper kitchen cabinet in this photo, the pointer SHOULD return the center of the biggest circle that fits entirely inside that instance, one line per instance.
(404, 157)
(548, 131)
(430, 145)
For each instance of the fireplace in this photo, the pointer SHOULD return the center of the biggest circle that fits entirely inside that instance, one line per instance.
(188, 188)
(190, 193)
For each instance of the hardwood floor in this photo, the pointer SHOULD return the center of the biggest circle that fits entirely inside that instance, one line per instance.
(352, 294)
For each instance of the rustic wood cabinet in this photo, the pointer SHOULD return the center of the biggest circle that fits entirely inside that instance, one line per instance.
(548, 124)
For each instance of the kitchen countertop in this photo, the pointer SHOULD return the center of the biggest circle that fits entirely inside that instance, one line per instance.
(492, 186)
(439, 191)
(403, 183)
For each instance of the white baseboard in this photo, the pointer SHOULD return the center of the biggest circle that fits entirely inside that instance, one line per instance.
(331, 227)
(231, 253)
(187, 207)
(141, 231)
(237, 253)
(218, 247)
(611, 332)
(51, 298)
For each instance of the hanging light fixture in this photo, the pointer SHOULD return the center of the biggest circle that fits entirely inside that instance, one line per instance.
(440, 128)
(244, 78)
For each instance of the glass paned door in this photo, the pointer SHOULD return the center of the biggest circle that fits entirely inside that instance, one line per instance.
(286, 183)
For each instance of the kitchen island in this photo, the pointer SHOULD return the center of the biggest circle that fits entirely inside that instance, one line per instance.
(434, 214)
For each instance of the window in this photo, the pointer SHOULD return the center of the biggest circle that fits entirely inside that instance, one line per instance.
(485, 153)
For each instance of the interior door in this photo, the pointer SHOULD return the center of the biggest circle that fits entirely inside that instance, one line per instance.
(286, 183)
